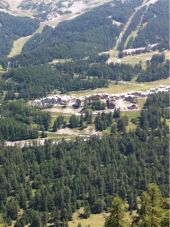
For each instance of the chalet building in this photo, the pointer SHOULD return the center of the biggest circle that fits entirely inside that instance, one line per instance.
(112, 100)
(131, 99)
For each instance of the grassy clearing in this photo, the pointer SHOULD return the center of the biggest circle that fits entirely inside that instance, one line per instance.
(132, 35)
(168, 122)
(95, 220)
(122, 88)
(58, 111)
(131, 126)
(59, 137)
(131, 115)
(1, 69)
(18, 46)
(141, 102)
(19, 43)
(69, 133)
(135, 59)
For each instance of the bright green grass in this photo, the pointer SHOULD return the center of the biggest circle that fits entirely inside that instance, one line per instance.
(141, 102)
(131, 115)
(122, 88)
(132, 35)
(135, 59)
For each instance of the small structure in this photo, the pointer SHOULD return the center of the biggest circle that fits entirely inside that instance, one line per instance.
(133, 107)
(110, 104)
(77, 104)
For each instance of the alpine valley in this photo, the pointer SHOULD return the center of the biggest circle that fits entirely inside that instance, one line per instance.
(84, 113)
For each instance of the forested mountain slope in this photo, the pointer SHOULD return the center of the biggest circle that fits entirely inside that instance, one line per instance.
(98, 30)
(47, 12)
(154, 26)
(115, 25)
(11, 28)
(86, 35)
(55, 180)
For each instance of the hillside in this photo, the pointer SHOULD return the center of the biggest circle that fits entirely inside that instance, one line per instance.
(48, 12)
(90, 26)
(46, 184)
(85, 40)
(49, 9)
(117, 25)
(11, 28)
(84, 113)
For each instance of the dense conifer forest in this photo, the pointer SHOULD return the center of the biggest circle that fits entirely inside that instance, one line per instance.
(53, 181)
(156, 30)
(72, 40)
(16, 121)
(37, 81)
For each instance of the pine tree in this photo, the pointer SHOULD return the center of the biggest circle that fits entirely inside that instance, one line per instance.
(87, 210)
(114, 129)
(36, 221)
(12, 209)
(116, 219)
(150, 212)
(116, 114)
(44, 219)
(55, 126)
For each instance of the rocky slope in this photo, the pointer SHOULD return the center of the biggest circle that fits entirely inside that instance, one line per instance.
(48, 9)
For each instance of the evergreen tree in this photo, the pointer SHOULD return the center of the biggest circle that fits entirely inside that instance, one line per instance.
(44, 219)
(87, 210)
(12, 209)
(116, 218)
(116, 114)
(74, 121)
(150, 212)
(122, 123)
(36, 221)
(113, 129)
(56, 218)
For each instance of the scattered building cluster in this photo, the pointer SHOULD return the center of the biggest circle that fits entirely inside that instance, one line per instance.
(134, 51)
(124, 101)
(55, 100)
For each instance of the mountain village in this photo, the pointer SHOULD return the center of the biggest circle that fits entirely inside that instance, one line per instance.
(124, 101)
